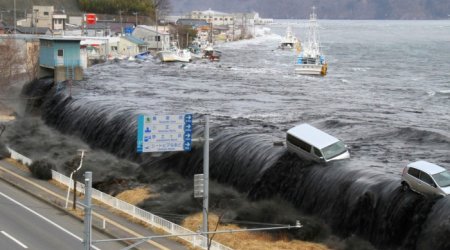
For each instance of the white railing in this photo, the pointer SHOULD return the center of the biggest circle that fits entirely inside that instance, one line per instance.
(136, 212)
(18, 157)
(147, 217)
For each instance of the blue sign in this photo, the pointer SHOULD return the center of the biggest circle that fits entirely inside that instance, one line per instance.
(163, 133)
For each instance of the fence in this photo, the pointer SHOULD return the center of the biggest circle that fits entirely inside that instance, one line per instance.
(19, 157)
(135, 212)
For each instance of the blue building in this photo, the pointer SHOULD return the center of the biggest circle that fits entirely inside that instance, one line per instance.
(60, 57)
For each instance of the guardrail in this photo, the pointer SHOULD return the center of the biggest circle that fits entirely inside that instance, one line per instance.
(135, 212)
(147, 217)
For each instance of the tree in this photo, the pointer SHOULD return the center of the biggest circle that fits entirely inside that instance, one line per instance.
(161, 8)
(11, 62)
(32, 60)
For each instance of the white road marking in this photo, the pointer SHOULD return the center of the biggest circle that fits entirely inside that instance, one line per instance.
(14, 239)
(44, 218)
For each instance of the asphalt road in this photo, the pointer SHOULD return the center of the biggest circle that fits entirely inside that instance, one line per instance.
(28, 223)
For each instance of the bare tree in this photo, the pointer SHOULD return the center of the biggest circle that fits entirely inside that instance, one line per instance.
(161, 8)
(32, 60)
(11, 62)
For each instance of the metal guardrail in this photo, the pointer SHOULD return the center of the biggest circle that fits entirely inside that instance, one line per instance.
(135, 212)
(138, 213)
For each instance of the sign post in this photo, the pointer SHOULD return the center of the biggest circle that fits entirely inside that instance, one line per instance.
(164, 133)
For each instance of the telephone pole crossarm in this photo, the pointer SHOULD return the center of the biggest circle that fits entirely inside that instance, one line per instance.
(143, 239)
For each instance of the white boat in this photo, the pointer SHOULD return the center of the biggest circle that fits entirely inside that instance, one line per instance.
(174, 54)
(311, 61)
(289, 41)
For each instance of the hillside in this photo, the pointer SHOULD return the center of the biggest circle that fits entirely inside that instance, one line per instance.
(327, 9)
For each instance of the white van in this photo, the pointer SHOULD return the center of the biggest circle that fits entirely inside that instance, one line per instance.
(313, 144)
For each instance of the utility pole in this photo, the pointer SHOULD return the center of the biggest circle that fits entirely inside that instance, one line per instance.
(121, 28)
(136, 13)
(87, 236)
(158, 37)
(14, 16)
(206, 179)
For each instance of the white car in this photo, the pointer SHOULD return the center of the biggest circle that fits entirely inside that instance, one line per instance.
(426, 178)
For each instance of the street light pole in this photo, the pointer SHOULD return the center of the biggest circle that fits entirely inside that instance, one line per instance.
(75, 183)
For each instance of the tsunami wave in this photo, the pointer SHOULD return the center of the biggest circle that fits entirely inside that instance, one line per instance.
(352, 200)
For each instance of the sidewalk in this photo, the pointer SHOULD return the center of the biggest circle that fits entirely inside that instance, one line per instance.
(104, 219)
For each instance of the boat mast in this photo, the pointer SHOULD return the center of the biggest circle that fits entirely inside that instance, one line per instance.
(313, 44)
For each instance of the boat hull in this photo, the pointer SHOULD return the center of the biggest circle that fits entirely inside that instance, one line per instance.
(310, 69)
(171, 56)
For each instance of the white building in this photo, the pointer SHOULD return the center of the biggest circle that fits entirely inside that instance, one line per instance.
(215, 17)
(44, 17)
(155, 40)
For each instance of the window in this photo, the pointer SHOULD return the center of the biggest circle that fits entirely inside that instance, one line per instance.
(317, 152)
(299, 143)
(426, 178)
(442, 178)
(414, 172)
(157, 38)
(60, 52)
(45, 13)
(334, 150)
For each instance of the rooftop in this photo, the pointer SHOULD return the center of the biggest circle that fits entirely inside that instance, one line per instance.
(427, 167)
(312, 135)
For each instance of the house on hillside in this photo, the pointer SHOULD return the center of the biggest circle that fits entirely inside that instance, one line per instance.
(156, 40)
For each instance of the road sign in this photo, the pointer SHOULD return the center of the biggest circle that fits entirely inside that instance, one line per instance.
(163, 133)
(91, 18)
(198, 185)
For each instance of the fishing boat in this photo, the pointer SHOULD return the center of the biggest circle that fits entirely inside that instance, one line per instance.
(289, 41)
(212, 54)
(311, 60)
(174, 54)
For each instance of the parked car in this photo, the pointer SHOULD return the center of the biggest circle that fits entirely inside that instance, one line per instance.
(426, 178)
(313, 144)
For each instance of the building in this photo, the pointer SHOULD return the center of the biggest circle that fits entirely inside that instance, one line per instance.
(155, 40)
(131, 46)
(60, 57)
(214, 17)
(44, 17)
(193, 23)
(59, 20)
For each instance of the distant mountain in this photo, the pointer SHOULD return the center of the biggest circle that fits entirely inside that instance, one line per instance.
(281, 9)
(326, 9)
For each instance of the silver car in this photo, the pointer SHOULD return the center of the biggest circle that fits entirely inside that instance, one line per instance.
(426, 178)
